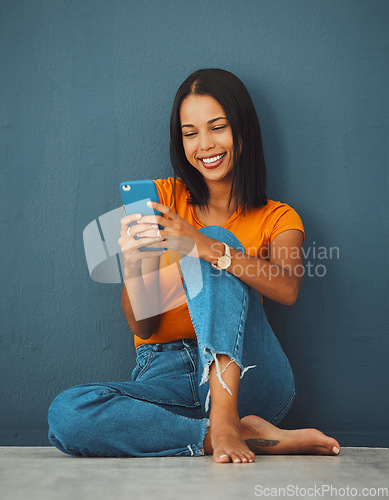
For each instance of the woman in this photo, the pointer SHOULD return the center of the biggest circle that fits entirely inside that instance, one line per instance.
(213, 354)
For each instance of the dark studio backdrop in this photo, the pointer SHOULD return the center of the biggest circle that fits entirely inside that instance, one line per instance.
(86, 93)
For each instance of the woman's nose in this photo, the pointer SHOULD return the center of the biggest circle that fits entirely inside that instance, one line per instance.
(206, 141)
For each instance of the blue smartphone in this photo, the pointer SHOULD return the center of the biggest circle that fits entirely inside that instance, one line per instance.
(135, 195)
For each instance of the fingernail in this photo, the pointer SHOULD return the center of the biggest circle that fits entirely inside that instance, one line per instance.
(335, 450)
(138, 216)
(148, 203)
(155, 226)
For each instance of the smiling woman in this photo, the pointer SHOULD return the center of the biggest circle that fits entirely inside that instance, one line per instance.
(209, 143)
(218, 103)
(193, 361)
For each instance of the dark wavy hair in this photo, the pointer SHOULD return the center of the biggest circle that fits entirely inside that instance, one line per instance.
(249, 168)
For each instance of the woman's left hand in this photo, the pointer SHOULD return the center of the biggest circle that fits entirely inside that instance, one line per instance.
(177, 233)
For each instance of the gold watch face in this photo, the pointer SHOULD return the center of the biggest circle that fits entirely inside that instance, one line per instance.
(224, 262)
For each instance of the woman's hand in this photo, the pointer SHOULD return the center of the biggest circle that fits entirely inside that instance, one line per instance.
(177, 233)
(147, 232)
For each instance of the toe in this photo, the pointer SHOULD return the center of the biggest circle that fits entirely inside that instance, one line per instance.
(336, 449)
(221, 456)
(322, 450)
(334, 446)
(235, 458)
(329, 448)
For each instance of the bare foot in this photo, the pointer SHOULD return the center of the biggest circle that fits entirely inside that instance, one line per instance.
(262, 437)
(225, 441)
(239, 441)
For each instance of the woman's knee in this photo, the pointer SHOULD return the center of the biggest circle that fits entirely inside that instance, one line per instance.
(199, 276)
(70, 416)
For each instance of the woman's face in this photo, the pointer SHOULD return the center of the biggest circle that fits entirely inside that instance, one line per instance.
(207, 137)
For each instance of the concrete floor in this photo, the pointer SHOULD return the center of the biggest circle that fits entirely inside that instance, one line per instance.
(44, 473)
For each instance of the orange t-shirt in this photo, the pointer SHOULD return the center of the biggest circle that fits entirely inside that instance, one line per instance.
(255, 230)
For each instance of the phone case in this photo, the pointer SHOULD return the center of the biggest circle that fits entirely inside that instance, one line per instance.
(135, 195)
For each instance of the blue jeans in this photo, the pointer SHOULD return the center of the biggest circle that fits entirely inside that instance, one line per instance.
(163, 410)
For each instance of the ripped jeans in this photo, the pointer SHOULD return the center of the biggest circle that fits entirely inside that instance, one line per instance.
(163, 410)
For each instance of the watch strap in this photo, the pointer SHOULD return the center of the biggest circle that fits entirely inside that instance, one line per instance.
(227, 253)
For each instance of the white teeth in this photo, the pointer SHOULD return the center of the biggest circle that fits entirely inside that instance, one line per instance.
(213, 159)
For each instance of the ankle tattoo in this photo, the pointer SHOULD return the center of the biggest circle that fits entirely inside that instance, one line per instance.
(256, 445)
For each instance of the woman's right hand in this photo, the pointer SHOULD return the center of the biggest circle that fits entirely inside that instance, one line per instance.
(149, 236)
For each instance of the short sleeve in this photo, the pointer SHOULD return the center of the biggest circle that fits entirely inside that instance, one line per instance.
(165, 191)
(282, 218)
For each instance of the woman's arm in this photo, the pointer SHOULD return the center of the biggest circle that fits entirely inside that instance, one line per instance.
(278, 278)
(141, 292)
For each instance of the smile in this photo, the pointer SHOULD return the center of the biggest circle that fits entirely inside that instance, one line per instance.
(213, 161)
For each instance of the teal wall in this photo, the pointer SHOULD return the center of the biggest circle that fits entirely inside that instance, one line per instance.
(86, 93)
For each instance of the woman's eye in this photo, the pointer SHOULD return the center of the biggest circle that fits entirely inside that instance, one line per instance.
(191, 134)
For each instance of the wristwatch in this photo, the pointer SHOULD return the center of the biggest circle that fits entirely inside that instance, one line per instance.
(224, 261)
